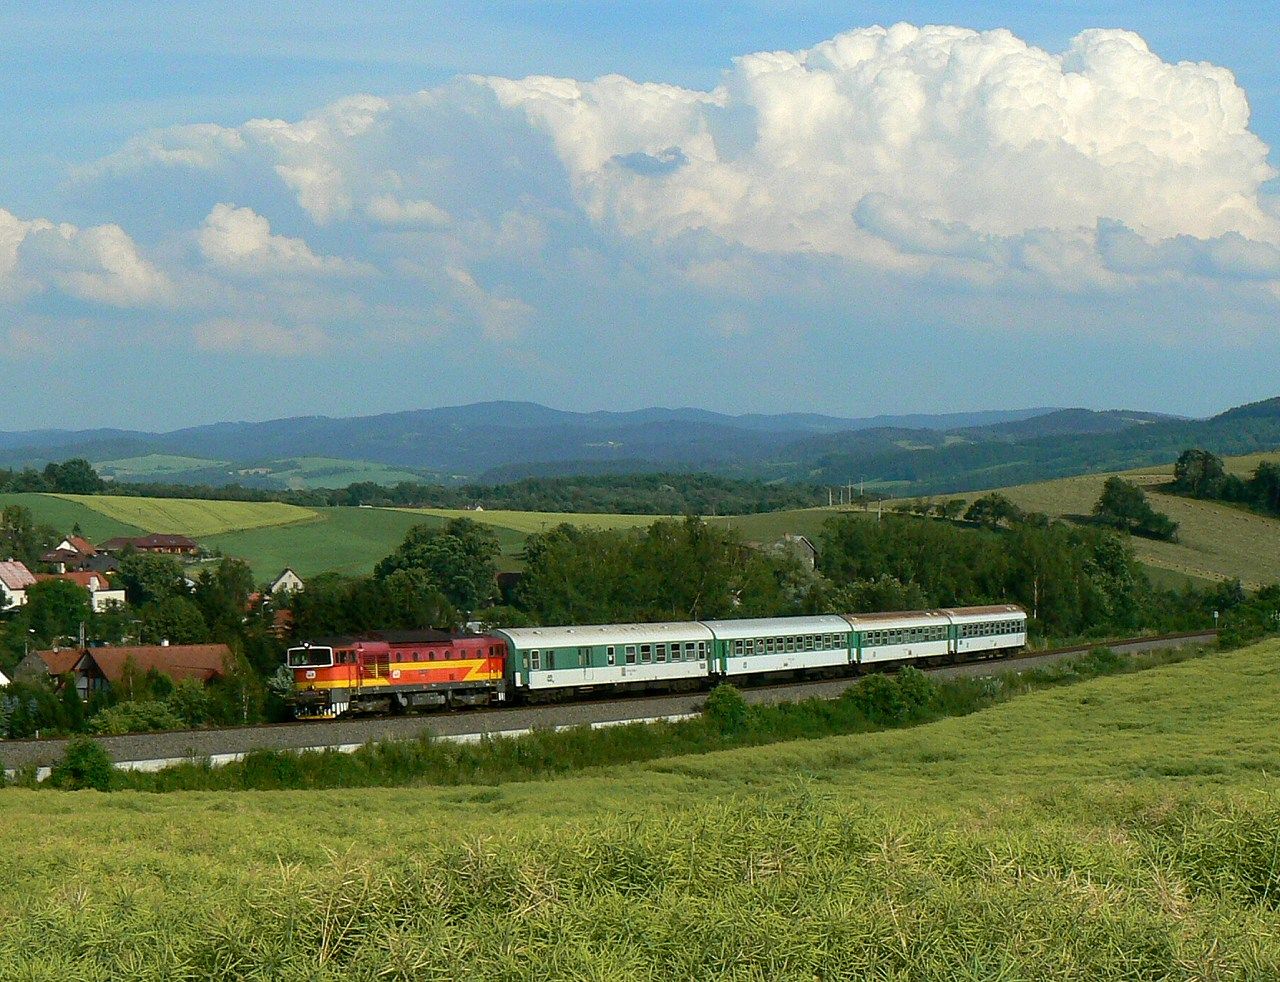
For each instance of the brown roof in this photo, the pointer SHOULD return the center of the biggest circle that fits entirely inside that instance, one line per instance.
(15, 575)
(178, 661)
(85, 578)
(163, 539)
(82, 545)
(990, 609)
(59, 661)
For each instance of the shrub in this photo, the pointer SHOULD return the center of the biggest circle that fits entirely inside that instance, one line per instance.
(879, 699)
(135, 717)
(726, 709)
(85, 764)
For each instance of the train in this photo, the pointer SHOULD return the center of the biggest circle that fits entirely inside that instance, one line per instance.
(389, 671)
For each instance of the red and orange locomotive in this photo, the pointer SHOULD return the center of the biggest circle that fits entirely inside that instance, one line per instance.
(385, 670)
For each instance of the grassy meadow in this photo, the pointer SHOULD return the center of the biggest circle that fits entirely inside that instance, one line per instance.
(190, 516)
(1121, 828)
(64, 513)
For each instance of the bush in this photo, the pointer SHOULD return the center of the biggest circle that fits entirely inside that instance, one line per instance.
(135, 717)
(726, 709)
(84, 765)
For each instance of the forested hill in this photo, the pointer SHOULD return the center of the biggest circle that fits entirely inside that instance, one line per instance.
(962, 466)
(497, 443)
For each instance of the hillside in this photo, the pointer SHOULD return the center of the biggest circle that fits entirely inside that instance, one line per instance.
(1123, 827)
(1216, 541)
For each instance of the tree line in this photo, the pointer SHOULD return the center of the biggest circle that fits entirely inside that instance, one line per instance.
(631, 494)
(1201, 474)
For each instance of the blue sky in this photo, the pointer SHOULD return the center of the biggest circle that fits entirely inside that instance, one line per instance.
(910, 222)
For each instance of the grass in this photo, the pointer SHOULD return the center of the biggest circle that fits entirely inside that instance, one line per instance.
(190, 516)
(332, 472)
(1216, 541)
(343, 540)
(63, 514)
(1119, 828)
(153, 466)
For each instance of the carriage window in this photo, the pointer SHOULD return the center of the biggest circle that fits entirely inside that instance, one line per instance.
(551, 660)
(646, 653)
(662, 652)
(524, 660)
(584, 657)
(631, 654)
(808, 643)
(702, 650)
(535, 658)
(611, 654)
(738, 647)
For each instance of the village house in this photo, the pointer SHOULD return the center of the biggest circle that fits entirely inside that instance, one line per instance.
(97, 669)
(287, 582)
(14, 580)
(72, 553)
(4, 680)
(102, 594)
(164, 543)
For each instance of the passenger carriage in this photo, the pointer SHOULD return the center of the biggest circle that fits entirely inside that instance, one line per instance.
(987, 631)
(913, 635)
(548, 660)
(779, 644)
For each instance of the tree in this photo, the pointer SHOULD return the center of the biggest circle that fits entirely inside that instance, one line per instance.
(460, 559)
(151, 578)
(20, 537)
(175, 619)
(56, 609)
(222, 594)
(1198, 473)
(993, 510)
(1264, 487)
(1124, 505)
(75, 476)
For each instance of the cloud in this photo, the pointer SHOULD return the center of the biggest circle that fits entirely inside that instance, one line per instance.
(235, 335)
(500, 318)
(241, 239)
(100, 264)
(901, 161)
(390, 210)
(1228, 256)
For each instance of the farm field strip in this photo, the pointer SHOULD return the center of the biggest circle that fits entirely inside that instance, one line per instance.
(529, 522)
(191, 516)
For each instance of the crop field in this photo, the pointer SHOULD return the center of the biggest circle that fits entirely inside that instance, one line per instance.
(152, 466)
(63, 514)
(1216, 541)
(342, 540)
(190, 516)
(528, 522)
(1120, 828)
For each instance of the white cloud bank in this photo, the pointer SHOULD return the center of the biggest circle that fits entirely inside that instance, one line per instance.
(905, 153)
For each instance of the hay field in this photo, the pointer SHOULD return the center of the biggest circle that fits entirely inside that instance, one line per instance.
(191, 516)
(1216, 541)
(1120, 828)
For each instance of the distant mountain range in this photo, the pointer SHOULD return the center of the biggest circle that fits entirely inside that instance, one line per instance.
(497, 441)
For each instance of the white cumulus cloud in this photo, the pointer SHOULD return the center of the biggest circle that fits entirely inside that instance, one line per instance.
(240, 238)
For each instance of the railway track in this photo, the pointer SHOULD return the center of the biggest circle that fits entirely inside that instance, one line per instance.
(154, 748)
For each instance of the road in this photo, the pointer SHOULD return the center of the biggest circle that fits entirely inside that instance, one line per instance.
(187, 744)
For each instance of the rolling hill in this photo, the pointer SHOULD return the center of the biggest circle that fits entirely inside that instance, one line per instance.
(1119, 828)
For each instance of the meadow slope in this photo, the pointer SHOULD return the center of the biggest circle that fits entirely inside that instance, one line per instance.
(1120, 828)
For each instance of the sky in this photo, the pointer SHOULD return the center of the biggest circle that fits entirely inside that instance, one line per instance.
(214, 211)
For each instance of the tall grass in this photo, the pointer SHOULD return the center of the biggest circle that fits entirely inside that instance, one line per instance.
(877, 702)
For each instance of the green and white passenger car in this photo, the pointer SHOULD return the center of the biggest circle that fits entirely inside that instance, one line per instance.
(619, 656)
(779, 644)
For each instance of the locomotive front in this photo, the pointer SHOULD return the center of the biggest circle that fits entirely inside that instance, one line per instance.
(321, 684)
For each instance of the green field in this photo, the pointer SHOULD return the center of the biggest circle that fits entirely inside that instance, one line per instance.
(343, 540)
(1121, 828)
(152, 467)
(1216, 541)
(528, 522)
(65, 513)
(190, 516)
